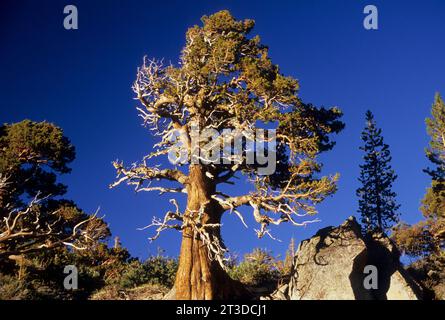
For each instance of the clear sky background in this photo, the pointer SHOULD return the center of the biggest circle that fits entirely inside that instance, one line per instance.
(81, 80)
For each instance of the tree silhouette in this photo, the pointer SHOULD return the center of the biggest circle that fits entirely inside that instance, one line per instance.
(377, 201)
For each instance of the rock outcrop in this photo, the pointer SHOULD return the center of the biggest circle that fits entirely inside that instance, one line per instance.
(331, 265)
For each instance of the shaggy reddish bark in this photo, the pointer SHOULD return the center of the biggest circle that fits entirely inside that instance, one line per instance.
(200, 277)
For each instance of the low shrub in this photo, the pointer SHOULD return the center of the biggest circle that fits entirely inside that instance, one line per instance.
(259, 268)
(155, 270)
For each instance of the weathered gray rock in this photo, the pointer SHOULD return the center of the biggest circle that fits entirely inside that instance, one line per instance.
(331, 265)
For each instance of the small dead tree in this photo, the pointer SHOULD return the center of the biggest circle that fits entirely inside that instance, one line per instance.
(211, 113)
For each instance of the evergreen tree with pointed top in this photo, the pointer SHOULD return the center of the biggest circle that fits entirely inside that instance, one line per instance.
(426, 239)
(377, 201)
(433, 204)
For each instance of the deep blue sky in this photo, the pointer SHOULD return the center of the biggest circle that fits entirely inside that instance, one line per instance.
(81, 81)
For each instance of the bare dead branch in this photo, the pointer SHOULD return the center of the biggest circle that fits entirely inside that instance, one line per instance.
(25, 231)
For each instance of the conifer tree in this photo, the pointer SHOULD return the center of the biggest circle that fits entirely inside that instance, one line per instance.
(377, 201)
(226, 81)
(427, 237)
(33, 216)
(433, 204)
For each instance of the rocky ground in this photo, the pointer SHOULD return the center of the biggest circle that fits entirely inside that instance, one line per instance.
(144, 292)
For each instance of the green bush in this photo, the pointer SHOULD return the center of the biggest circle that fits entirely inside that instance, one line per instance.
(257, 269)
(134, 275)
(155, 270)
(161, 270)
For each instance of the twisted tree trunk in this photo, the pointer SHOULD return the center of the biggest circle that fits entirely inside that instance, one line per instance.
(198, 276)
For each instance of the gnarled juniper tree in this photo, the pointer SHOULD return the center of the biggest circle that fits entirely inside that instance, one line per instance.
(377, 201)
(225, 84)
(33, 217)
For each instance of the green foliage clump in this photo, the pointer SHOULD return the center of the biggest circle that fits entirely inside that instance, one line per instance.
(162, 270)
(32, 154)
(433, 205)
(257, 269)
(155, 270)
(134, 275)
(43, 272)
